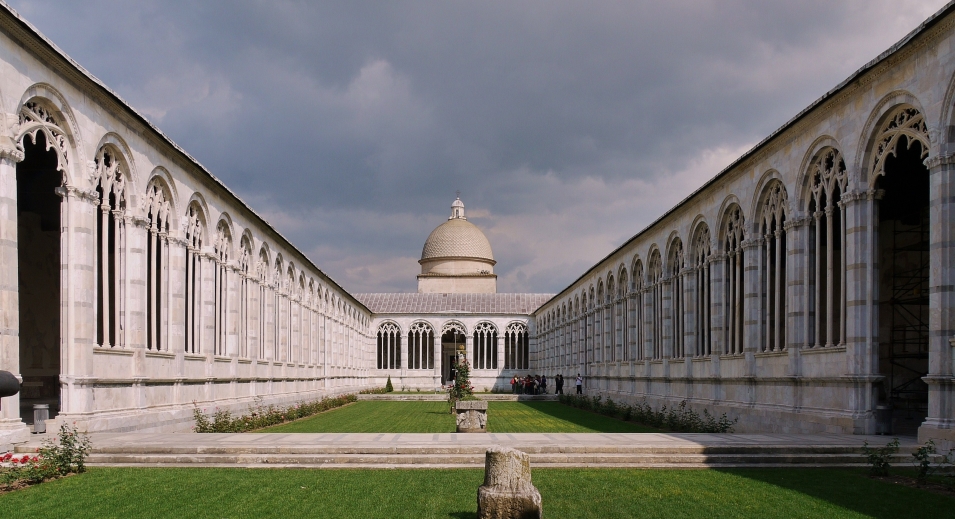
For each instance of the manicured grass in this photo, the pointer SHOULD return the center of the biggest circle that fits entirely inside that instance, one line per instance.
(422, 493)
(518, 417)
(370, 416)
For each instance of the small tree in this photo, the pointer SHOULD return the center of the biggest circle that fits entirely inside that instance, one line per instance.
(388, 387)
(461, 388)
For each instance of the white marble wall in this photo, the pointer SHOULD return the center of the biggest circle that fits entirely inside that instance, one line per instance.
(131, 383)
(802, 387)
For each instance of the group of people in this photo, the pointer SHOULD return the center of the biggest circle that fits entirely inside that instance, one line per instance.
(537, 384)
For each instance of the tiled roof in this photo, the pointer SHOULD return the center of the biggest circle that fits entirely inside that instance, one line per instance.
(519, 304)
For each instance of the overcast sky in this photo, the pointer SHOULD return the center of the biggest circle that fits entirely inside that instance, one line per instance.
(567, 126)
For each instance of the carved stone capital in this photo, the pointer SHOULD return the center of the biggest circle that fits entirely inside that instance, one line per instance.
(10, 149)
(942, 160)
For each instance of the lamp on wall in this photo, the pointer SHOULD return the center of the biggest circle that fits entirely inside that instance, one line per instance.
(9, 385)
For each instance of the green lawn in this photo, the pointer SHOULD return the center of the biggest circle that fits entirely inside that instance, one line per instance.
(567, 493)
(370, 416)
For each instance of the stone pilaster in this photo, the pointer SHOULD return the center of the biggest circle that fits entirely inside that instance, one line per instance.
(940, 423)
(12, 429)
(861, 310)
(717, 303)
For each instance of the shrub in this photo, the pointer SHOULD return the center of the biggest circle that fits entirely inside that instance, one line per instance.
(878, 459)
(222, 420)
(51, 461)
(388, 387)
(461, 388)
(374, 391)
(680, 418)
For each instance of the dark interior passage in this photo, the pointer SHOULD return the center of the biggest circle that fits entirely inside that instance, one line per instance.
(904, 286)
(38, 250)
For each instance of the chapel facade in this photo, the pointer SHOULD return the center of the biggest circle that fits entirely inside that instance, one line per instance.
(807, 287)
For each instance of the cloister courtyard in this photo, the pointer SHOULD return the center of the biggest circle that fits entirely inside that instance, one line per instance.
(410, 463)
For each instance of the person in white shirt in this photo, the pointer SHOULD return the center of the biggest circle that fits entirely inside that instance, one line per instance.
(580, 384)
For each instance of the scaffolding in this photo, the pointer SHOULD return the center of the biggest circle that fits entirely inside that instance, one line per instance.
(909, 325)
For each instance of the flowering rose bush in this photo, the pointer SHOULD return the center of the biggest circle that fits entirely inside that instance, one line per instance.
(460, 388)
(50, 461)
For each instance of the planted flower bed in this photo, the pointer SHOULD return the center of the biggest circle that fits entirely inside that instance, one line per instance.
(51, 461)
(222, 421)
(680, 418)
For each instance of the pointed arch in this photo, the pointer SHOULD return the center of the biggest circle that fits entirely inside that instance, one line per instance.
(158, 209)
(897, 118)
(826, 184)
(111, 181)
(771, 229)
(420, 345)
(655, 307)
(516, 346)
(389, 345)
(699, 265)
(731, 238)
(222, 249)
(484, 345)
(43, 109)
(676, 260)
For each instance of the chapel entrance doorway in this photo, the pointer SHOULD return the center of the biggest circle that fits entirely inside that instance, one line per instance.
(903, 258)
(38, 257)
(452, 344)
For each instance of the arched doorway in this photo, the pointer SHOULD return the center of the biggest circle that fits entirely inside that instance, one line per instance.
(903, 258)
(453, 345)
(38, 256)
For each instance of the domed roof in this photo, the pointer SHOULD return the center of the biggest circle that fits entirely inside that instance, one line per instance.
(457, 238)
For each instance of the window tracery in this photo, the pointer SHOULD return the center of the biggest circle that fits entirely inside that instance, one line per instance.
(35, 118)
(516, 346)
(110, 185)
(733, 287)
(827, 234)
(420, 346)
(157, 208)
(655, 317)
(677, 300)
(222, 248)
(908, 122)
(772, 268)
(389, 346)
(193, 225)
(639, 326)
(703, 300)
(484, 346)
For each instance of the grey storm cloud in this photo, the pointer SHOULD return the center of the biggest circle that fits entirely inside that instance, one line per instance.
(567, 126)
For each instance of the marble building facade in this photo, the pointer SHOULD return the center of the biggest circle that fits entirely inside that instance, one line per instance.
(133, 282)
(806, 286)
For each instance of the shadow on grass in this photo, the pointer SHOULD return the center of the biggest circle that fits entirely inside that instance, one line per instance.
(463, 515)
(852, 490)
(597, 422)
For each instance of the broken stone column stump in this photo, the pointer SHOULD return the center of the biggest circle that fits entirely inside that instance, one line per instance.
(471, 416)
(507, 492)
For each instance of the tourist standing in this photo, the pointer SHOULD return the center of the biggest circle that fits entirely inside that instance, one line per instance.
(544, 384)
(559, 383)
(580, 384)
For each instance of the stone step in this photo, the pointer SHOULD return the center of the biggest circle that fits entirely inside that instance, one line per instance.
(476, 460)
(479, 449)
(436, 397)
